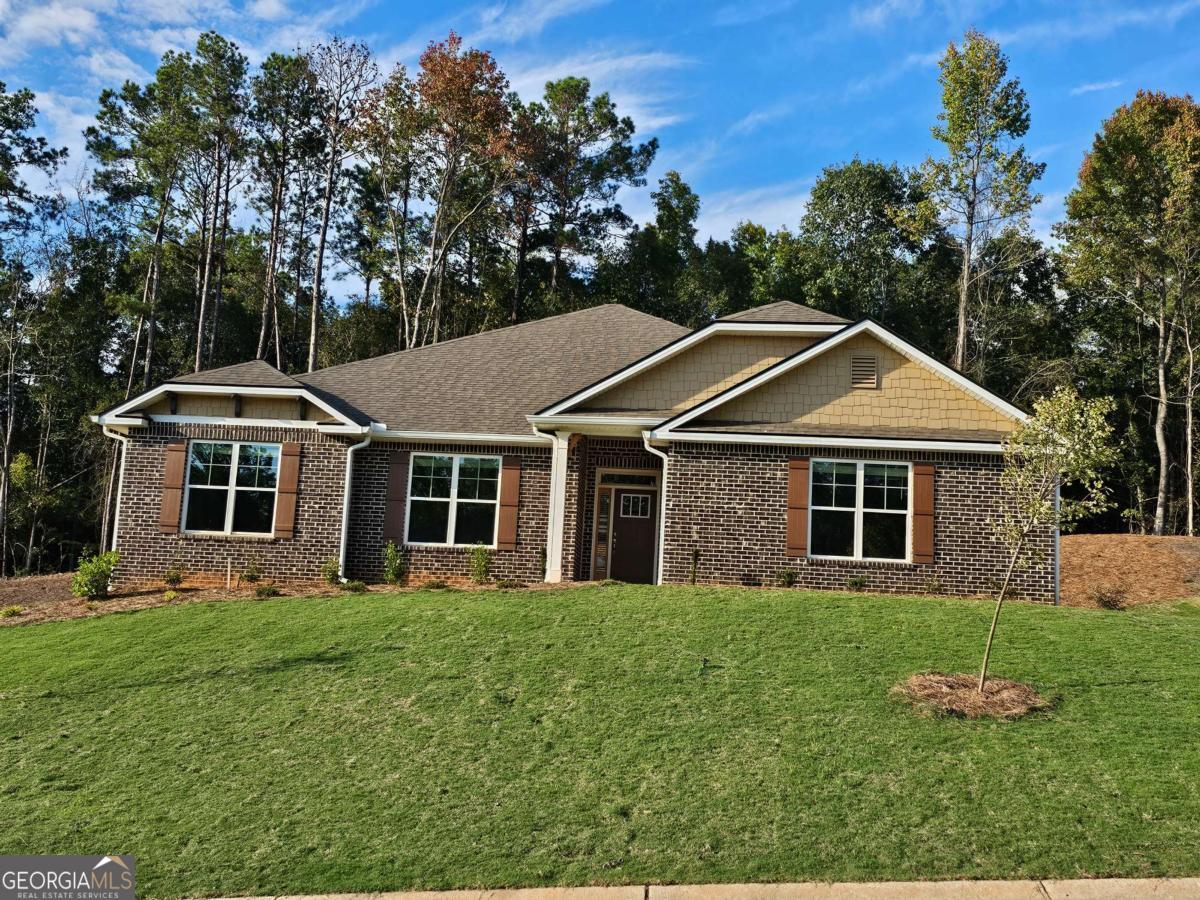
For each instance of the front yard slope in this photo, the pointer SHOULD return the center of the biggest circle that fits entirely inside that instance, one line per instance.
(600, 735)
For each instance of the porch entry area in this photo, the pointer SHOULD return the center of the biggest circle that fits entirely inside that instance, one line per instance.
(625, 525)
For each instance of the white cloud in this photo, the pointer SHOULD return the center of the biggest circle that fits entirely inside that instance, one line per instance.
(271, 10)
(1100, 23)
(755, 119)
(773, 206)
(53, 24)
(512, 22)
(1092, 87)
(894, 72)
(624, 76)
(747, 12)
(883, 12)
(66, 118)
(110, 66)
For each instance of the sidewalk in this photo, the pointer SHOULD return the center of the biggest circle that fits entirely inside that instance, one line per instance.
(1084, 889)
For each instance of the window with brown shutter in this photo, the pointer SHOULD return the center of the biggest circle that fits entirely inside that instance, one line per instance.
(923, 505)
(797, 506)
(172, 491)
(287, 490)
(510, 495)
(397, 484)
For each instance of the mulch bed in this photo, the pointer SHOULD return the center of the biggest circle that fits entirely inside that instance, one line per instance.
(956, 695)
(1128, 569)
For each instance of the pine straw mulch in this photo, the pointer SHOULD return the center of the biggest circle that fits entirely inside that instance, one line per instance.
(956, 695)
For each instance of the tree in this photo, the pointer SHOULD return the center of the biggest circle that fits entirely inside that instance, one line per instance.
(19, 150)
(344, 73)
(985, 182)
(1132, 233)
(1064, 444)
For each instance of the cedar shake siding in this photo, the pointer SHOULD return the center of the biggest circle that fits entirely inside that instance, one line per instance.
(369, 500)
(730, 501)
(147, 551)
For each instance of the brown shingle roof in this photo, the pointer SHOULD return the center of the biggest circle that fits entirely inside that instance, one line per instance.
(256, 373)
(785, 311)
(488, 383)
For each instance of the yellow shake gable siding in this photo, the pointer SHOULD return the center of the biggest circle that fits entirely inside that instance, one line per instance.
(701, 372)
(818, 392)
(217, 405)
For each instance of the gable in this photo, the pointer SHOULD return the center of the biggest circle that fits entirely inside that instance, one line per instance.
(698, 373)
(818, 395)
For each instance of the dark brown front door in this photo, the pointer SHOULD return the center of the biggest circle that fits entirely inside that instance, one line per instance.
(632, 536)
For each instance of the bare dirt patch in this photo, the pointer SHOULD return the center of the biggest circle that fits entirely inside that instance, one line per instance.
(1115, 570)
(956, 695)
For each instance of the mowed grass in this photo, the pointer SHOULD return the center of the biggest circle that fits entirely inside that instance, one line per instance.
(440, 740)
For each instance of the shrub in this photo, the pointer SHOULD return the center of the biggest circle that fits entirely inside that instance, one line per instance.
(170, 596)
(1109, 596)
(611, 582)
(93, 575)
(252, 573)
(13, 609)
(354, 587)
(395, 567)
(510, 584)
(856, 582)
(786, 578)
(434, 584)
(933, 585)
(266, 591)
(331, 571)
(695, 565)
(481, 563)
(173, 577)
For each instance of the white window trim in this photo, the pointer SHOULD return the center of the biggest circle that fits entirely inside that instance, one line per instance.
(859, 509)
(232, 488)
(631, 496)
(457, 459)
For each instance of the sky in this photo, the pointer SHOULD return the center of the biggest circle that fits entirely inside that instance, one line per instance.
(750, 100)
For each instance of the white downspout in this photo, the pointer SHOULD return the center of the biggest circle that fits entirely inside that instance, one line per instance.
(346, 505)
(558, 505)
(123, 440)
(1057, 545)
(662, 508)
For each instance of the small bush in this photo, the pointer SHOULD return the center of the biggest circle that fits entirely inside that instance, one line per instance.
(933, 585)
(611, 582)
(856, 582)
(434, 584)
(510, 584)
(266, 591)
(395, 567)
(93, 575)
(252, 573)
(354, 587)
(13, 609)
(481, 563)
(695, 565)
(1109, 596)
(331, 571)
(173, 577)
(786, 578)
(170, 596)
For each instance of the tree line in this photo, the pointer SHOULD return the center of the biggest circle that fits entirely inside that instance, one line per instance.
(315, 210)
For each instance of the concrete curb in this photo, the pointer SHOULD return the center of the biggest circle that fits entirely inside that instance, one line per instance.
(1066, 889)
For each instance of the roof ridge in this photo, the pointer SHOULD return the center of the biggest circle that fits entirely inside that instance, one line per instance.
(249, 362)
(490, 331)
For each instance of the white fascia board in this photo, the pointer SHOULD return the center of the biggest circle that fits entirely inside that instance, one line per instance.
(869, 327)
(458, 437)
(570, 421)
(226, 390)
(682, 344)
(799, 440)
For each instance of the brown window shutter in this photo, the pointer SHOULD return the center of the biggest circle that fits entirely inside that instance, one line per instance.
(397, 487)
(172, 491)
(922, 539)
(797, 506)
(286, 490)
(510, 495)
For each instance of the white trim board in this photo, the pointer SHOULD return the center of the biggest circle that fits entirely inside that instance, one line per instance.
(865, 326)
(113, 416)
(801, 440)
(682, 344)
(457, 437)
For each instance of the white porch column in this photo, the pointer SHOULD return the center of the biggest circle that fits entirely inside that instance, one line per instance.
(558, 505)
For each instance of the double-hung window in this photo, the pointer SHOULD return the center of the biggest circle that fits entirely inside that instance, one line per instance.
(860, 510)
(231, 487)
(453, 500)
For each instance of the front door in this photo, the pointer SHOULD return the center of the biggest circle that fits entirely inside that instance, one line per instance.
(632, 536)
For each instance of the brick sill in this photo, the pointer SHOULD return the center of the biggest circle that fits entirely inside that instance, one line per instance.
(230, 538)
(898, 566)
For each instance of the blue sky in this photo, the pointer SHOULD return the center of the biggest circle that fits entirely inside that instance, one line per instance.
(749, 100)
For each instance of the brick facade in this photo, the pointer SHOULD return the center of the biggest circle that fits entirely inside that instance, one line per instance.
(368, 493)
(146, 552)
(729, 502)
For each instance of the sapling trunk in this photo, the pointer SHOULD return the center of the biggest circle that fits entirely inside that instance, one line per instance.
(987, 650)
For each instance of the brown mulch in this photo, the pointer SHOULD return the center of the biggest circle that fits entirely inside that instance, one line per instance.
(957, 695)
(48, 598)
(1128, 569)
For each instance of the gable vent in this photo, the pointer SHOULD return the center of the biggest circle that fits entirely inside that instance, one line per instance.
(864, 372)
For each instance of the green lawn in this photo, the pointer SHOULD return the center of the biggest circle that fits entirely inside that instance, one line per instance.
(501, 739)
